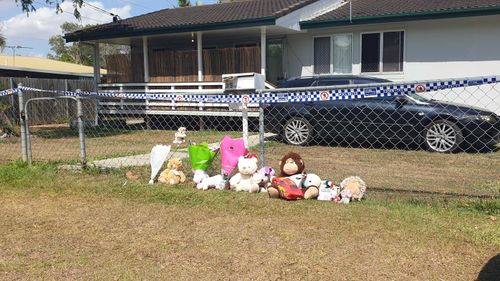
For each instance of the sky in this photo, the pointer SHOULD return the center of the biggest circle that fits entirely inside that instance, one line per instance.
(34, 31)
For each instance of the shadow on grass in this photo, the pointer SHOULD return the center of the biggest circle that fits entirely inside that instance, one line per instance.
(491, 270)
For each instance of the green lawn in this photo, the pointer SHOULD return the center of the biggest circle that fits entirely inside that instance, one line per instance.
(58, 224)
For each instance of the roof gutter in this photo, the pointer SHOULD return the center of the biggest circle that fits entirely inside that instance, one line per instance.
(96, 35)
(401, 17)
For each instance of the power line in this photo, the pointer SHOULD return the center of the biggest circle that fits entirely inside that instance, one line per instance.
(98, 9)
(85, 17)
(116, 17)
(14, 48)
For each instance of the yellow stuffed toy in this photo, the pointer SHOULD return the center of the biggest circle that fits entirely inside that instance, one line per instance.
(173, 173)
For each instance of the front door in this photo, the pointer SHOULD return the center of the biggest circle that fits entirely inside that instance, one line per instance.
(274, 62)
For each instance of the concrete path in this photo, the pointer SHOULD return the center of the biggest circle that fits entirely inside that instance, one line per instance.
(144, 159)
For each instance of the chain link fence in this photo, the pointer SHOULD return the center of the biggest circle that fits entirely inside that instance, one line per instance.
(443, 141)
(433, 139)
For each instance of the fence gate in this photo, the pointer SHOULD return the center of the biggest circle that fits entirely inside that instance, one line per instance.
(54, 130)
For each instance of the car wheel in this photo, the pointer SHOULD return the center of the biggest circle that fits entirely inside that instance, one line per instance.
(443, 136)
(297, 131)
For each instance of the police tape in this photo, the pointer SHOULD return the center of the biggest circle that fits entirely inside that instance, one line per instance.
(8, 92)
(291, 96)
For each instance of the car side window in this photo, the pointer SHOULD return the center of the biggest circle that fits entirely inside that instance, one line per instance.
(369, 81)
(296, 83)
(332, 82)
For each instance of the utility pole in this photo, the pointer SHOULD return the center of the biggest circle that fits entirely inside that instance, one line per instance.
(14, 48)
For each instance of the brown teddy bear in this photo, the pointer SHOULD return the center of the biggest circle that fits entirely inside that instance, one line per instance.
(173, 173)
(292, 169)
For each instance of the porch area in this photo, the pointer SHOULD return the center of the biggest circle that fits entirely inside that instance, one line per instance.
(191, 61)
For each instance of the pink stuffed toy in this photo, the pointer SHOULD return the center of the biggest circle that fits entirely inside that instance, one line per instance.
(231, 150)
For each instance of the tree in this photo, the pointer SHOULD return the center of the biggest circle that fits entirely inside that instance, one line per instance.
(75, 52)
(2, 41)
(184, 3)
(79, 53)
(27, 6)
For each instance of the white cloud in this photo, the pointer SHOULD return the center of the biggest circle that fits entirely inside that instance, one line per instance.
(45, 23)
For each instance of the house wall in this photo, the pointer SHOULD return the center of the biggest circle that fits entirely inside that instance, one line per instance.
(434, 49)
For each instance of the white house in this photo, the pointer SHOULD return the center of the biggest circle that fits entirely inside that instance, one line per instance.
(393, 39)
(400, 40)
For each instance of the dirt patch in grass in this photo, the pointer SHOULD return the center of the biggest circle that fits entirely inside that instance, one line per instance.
(63, 225)
(74, 237)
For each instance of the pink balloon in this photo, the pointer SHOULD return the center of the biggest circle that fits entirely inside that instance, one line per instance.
(230, 150)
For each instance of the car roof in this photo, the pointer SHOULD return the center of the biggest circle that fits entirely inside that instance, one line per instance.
(307, 81)
(339, 77)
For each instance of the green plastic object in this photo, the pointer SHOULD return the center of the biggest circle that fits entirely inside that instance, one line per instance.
(201, 156)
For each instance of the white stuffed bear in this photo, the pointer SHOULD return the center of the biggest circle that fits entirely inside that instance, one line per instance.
(204, 182)
(247, 179)
(199, 175)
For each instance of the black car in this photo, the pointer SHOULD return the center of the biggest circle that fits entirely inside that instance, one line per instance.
(441, 126)
(323, 80)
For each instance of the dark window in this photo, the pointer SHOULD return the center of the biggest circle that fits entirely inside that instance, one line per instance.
(370, 53)
(322, 55)
(393, 51)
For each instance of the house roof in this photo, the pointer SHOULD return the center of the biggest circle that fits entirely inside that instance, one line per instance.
(43, 65)
(373, 11)
(196, 18)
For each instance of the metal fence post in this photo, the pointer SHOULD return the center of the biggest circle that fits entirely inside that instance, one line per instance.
(13, 102)
(66, 88)
(22, 123)
(81, 133)
(244, 115)
(261, 134)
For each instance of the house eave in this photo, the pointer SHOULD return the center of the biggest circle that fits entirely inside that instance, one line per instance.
(90, 36)
(400, 17)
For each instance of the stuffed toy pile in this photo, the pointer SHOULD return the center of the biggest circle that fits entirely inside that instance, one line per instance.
(293, 183)
(351, 188)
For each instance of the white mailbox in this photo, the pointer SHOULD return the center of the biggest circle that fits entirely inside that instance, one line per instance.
(243, 81)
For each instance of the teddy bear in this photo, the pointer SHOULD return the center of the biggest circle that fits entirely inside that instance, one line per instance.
(204, 181)
(173, 173)
(247, 179)
(180, 135)
(290, 183)
(267, 174)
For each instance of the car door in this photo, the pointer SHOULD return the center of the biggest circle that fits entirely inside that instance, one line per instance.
(389, 118)
(334, 119)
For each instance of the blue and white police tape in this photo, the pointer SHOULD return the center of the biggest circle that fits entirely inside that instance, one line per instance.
(303, 95)
(8, 92)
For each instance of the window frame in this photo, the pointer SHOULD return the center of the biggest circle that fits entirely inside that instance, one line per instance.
(381, 52)
(331, 36)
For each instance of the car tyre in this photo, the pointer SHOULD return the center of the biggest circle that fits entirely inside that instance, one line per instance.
(442, 136)
(297, 131)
